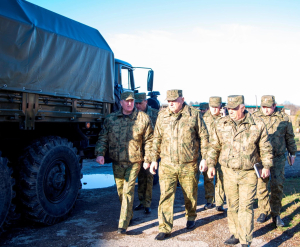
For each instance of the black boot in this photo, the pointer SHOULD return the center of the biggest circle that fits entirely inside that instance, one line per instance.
(139, 207)
(190, 224)
(277, 221)
(208, 206)
(232, 241)
(147, 210)
(262, 218)
(220, 208)
(162, 236)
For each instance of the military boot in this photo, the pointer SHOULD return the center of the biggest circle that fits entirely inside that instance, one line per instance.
(277, 221)
(232, 240)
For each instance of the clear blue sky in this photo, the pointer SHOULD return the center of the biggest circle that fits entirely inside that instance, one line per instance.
(203, 47)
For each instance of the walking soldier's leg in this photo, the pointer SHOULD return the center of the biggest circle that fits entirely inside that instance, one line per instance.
(168, 176)
(189, 184)
(263, 196)
(247, 189)
(131, 174)
(219, 187)
(276, 185)
(209, 188)
(232, 193)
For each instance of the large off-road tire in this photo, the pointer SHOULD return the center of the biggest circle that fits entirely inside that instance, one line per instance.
(7, 208)
(49, 180)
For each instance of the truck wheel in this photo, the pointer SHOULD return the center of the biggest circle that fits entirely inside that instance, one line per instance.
(6, 193)
(49, 180)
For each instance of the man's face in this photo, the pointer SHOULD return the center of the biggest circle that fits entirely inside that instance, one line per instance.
(127, 105)
(215, 110)
(236, 113)
(268, 110)
(141, 106)
(176, 105)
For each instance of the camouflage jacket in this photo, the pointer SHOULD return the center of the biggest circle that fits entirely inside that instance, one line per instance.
(209, 119)
(128, 138)
(152, 113)
(280, 130)
(239, 147)
(178, 137)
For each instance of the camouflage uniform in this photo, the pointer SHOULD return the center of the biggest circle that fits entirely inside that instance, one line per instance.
(177, 140)
(128, 139)
(145, 178)
(210, 189)
(281, 134)
(237, 147)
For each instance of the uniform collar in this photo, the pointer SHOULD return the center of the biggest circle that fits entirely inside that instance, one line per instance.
(132, 115)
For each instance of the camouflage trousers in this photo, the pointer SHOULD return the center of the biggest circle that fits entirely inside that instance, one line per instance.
(209, 186)
(125, 176)
(271, 202)
(219, 187)
(145, 184)
(240, 188)
(168, 177)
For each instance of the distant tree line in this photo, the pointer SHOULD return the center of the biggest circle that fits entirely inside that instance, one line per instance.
(292, 107)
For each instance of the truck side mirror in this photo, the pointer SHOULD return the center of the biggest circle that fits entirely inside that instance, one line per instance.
(150, 80)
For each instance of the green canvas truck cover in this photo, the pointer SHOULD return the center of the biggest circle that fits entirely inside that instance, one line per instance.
(46, 53)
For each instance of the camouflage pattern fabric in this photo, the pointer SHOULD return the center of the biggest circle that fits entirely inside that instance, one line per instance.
(169, 174)
(238, 148)
(234, 101)
(125, 176)
(178, 137)
(215, 101)
(240, 189)
(174, 94)
(211, 189)
(127, 138)
(152, 113)
(177, 140)
(127, 95)
(145, 178)
(145, 185)
(139, 97)
(281, 134)
(267, 100)
(219, 186)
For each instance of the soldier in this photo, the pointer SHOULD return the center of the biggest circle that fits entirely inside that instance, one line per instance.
(145, 178)
(281, 134)
(179, 134)
(215, 105)
(127, 134)
(203, 108)
(239, 141)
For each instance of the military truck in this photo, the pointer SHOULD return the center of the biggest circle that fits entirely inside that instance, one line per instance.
(58, 80)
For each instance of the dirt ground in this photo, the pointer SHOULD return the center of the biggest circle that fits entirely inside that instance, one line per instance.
(94, 222)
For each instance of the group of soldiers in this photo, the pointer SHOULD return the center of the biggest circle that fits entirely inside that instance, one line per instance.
(187, 142)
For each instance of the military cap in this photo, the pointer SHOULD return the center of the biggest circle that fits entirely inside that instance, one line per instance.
(139, 97)
(203, 106)
(174, 94)
(126, 95)
(215, 101)
(235, 100)
(267, 100)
